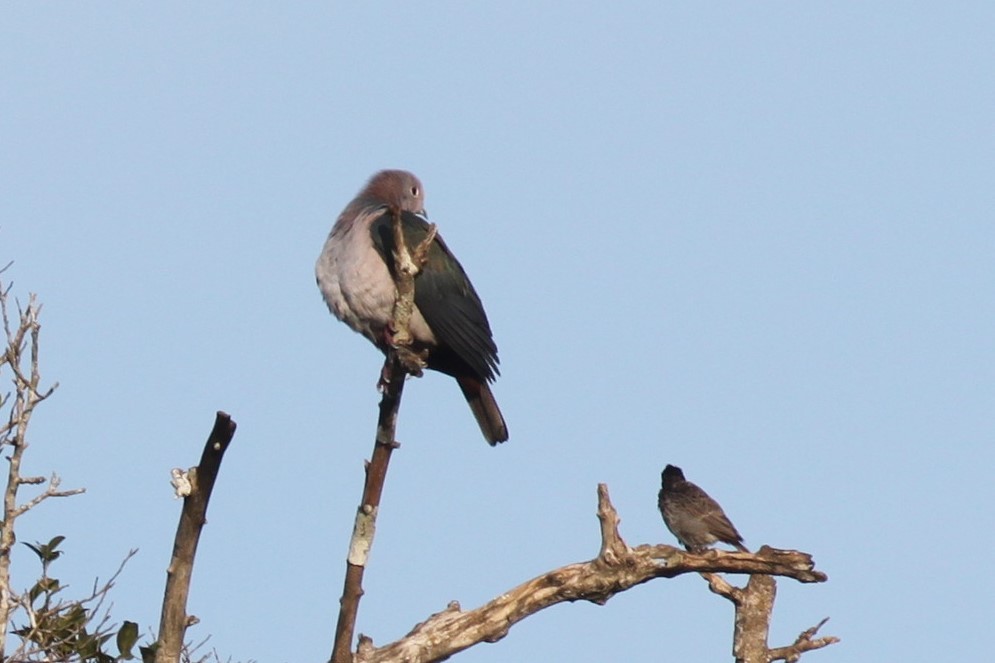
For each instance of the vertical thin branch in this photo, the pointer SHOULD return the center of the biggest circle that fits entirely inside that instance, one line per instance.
(13, 433)
(400, 360)
(366, 515)
(174, 620)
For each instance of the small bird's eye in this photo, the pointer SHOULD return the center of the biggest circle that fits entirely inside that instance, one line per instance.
(414, 191)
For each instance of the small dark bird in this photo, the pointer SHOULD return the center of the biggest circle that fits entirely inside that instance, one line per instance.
(695, 518)
(354, 275)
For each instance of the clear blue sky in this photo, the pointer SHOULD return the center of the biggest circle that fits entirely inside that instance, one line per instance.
(751, 239)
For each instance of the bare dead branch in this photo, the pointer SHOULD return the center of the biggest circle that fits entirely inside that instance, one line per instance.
(174, 620)
(24, 335)
(804, 643)
(613, 548)
(400, 361)
(51, 491)
(366, 515)
(407, 265)
(754, 608)
(616, 569)
(719, 586)
(32, 481)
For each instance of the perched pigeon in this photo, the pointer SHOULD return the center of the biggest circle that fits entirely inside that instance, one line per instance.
(695, 518)
(354, 275)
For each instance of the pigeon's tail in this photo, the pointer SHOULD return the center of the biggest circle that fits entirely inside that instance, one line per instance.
(485, 409)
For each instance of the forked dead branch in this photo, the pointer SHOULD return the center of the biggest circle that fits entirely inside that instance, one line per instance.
(616, 569)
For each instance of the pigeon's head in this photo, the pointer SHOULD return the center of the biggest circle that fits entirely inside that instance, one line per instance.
(397, 188)
(671, 475)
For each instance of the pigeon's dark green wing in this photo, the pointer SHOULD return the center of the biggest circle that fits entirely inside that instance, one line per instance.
(447, 301)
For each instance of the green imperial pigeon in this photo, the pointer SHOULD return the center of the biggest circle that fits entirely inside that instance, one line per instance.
(695, 518)
(354, 276)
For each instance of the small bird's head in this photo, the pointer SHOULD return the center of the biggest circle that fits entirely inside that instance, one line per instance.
(671, 475)
(398, 189)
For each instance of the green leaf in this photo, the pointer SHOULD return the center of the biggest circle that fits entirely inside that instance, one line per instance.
(87, 646)
(43, 586)
(148, 653)
(127, 636)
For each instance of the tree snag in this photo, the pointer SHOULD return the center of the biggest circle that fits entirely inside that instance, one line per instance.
(174, 620)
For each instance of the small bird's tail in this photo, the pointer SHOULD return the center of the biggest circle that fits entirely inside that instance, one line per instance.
(485, 409)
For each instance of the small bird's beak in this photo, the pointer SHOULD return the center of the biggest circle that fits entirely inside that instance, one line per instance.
(422, 213)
